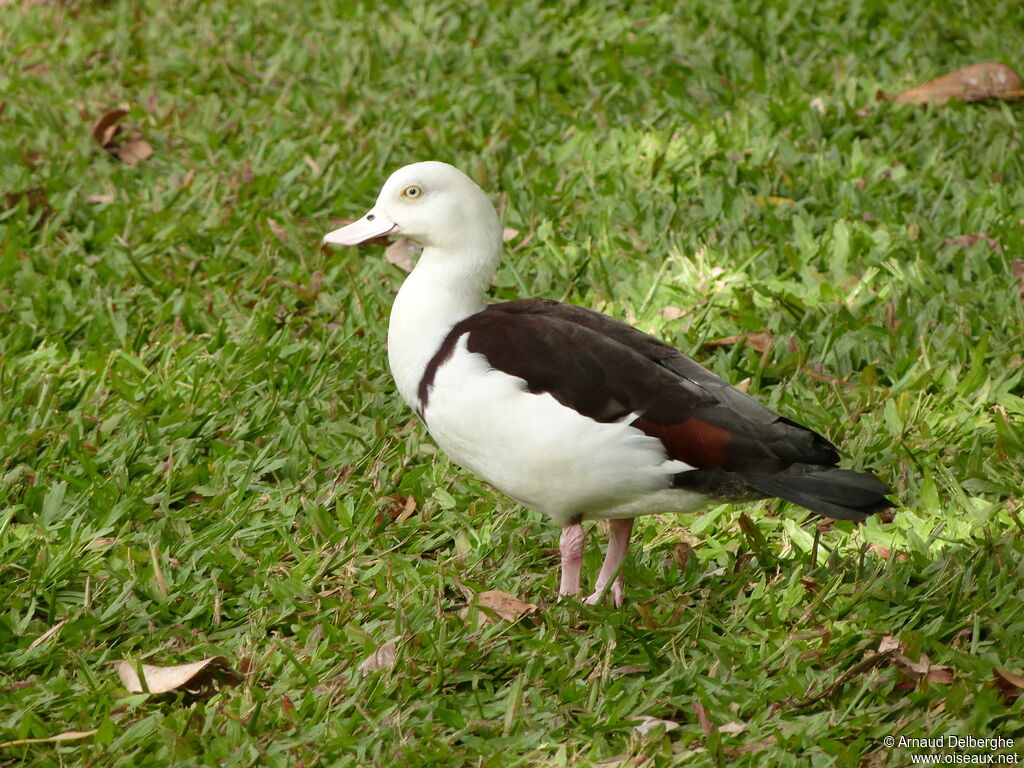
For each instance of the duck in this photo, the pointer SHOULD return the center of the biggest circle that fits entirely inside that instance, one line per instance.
(569, 411)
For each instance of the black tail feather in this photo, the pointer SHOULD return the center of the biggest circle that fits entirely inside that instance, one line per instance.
(832, 492)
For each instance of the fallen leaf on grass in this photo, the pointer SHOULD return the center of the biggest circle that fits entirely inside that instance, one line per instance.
(104, 129)
(969, 239)
(508, 234)
(987, 80)
(134, 149)
(397, 508)
(648, 724)
(66, 736)
(1017, 270)
(401, 253)
(889, 643)
(921, 670)
(884, 552)
(672, 313)
(131, 148)
(55, 629)
(732, 727)
(1010, 684)
(36, 201)
(504, 605)
(759, 342)
(195, 677)
(333, 684)
(383, 658)
(287, 708)
(276, 228)
(702, 718)
(681, 552)
(914, 671)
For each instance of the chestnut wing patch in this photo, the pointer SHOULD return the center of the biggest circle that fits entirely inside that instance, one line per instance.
(693, 441)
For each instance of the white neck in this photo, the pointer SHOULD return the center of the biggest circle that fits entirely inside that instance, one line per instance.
(444, 288)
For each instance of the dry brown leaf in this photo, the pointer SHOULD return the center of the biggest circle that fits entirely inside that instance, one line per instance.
(401, 253)
(36, 200)
(107, 198)
(702, 718)
(759, 342)
(648, 724)
(505, 605)
(383, 658)
(508, 234)
(940, 676)
(396, 508)
(133, 150)
(276, 228)
(732, 727)
(195, 677)
(104, 129)
(56, 628)
(923, 669)
(1010, 684)
(988, 80)
(1017, 270)
(681, 551)
(409, 511)
(743, 386)
(969, 239)
(66, 736)
(672, 313)
(287, 707)
(889, 643)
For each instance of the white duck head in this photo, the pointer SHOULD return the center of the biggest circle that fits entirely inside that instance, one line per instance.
(434, 204)
(439, 207)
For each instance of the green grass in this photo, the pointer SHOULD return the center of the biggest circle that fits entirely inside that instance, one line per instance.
(199, 436)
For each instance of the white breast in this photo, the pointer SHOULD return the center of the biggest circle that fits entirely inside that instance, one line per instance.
(544, 454)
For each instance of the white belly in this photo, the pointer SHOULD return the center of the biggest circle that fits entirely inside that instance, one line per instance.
(544, 454)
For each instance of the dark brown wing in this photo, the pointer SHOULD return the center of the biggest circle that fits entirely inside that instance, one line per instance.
(606, 369)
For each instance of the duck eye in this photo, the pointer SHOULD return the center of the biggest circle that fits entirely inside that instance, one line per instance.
(412, 192)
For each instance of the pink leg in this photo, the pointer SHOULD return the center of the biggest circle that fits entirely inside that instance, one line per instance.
(618, 544)
(571, 547)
